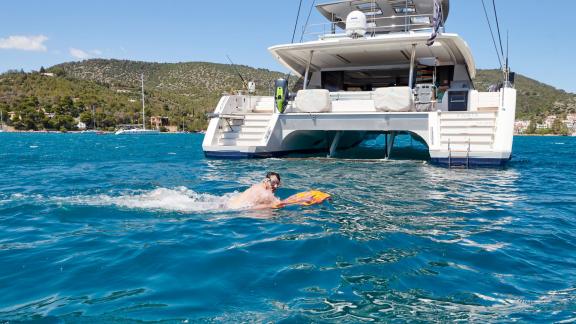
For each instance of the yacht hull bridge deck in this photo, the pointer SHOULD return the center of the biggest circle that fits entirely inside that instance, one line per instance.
(378, 76)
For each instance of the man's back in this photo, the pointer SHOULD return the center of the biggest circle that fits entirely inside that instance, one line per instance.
(255, 196)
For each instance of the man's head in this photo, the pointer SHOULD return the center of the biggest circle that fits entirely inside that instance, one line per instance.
(272, 181)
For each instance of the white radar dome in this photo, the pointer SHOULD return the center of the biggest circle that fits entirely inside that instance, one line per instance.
(251, 87)
(356, 24)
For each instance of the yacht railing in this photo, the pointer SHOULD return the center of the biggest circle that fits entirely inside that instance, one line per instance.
(411, 23)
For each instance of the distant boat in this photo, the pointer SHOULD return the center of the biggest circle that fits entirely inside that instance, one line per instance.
(136, 131)
(130, 129)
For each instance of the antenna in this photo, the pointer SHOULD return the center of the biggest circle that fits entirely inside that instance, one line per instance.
(294, 32)
(507, 45)
(492, 33)
(497, 26)
(307, 20)
(507, 57)
(237, 72)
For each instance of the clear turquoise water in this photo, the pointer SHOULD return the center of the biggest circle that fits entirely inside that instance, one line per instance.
(109, 229)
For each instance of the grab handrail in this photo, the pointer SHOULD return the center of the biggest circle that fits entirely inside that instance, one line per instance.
(372, 28)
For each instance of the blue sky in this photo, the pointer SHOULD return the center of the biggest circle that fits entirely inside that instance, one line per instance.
(43, 33)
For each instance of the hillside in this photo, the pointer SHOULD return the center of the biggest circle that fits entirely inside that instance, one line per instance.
(31, 95)
(202, 83)
(190, 86)
(184, 92)
(535, 99)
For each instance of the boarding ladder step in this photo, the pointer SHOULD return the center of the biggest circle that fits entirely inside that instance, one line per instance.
(250, 132)
(460, 159)
(238, 142)
(265, 117)
(264, 105)
(243, 135)
(468, 130)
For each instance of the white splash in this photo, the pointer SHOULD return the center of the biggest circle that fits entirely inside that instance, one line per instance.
(180, 199)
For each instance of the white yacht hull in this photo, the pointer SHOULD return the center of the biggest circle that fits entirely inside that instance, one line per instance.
(390, 76)
(480, 137)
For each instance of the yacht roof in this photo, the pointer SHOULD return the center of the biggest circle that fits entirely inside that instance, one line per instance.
(386, 15)
(383, 50)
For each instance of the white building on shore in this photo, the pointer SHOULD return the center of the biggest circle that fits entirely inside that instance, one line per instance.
(520, 126)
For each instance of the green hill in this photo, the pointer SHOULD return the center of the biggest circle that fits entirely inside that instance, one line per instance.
(535, 100)
(34, 97)
(184, 92)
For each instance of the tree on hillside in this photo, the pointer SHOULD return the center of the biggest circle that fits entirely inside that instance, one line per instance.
(531, 127)
(4, 109)
(58, 71)
(558, 127)
(63, 123)
(86, 118)
(30, 119)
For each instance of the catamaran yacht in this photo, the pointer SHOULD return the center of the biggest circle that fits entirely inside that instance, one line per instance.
(376, 67)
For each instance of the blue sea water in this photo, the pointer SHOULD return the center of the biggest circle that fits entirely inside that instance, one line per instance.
(115, 229)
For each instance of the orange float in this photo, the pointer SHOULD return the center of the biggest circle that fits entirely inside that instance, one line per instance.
(306, 198)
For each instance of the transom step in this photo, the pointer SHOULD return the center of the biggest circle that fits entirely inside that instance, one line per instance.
(249, 131)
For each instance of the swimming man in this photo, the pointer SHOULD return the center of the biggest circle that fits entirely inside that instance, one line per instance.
(260, 195)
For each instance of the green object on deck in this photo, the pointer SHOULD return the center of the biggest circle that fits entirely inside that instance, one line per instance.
(281, 96)
(280, 99)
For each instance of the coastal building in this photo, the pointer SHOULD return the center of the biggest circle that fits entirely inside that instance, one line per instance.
(570, 122)
(547, 123)
(81, 126)
(159, 121)
(541, 126)
(520, 126)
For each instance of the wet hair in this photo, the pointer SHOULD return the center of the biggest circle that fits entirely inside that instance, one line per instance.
(270, 174)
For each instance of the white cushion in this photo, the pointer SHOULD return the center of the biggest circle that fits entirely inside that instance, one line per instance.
(394, 99)
(313, 100)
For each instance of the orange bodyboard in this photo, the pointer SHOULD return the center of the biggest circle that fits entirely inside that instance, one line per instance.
(306, 198)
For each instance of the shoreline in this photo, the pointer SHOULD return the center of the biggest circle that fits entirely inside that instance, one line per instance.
(195, 132)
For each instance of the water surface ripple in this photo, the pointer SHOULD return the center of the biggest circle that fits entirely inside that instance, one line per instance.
(106, 228)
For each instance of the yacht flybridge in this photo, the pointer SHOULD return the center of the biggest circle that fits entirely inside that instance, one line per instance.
(377, 67)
